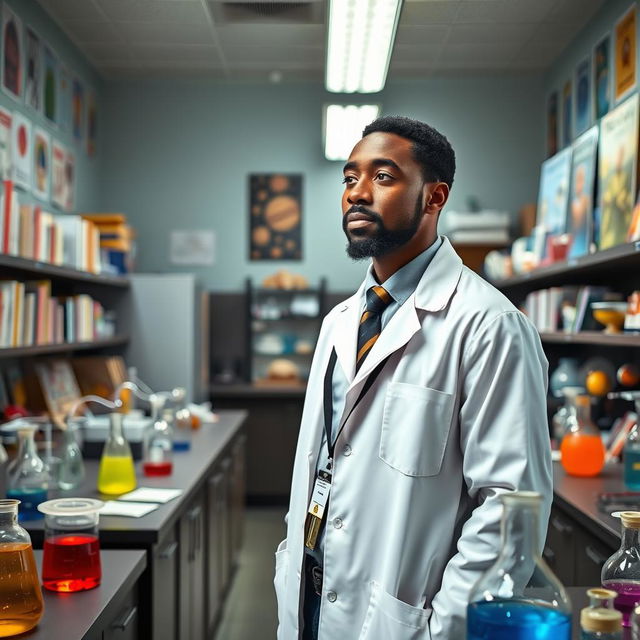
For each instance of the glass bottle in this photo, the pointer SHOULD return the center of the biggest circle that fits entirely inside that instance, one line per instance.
(116, 474)
(71, 551)
(581, 448)
(600, 624)
(71, 469)
(28, 476)
(519, 596)
(184, 418)
(158, 446)
(22, 604)
(621, 572)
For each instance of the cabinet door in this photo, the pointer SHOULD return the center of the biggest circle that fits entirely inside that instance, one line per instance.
(124, 625)
(559, 549)
(225, 524)
(165, 580)
(591, 554)
(215, 502)
(237, 498)
(198, 569)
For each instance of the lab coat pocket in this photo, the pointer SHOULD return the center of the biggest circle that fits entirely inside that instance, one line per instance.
(415, 428)
(388, 617)
(279, 581)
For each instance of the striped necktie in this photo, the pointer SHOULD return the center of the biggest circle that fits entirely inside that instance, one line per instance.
(371, 321)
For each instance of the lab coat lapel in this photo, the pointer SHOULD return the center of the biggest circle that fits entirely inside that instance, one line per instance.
(346, 333)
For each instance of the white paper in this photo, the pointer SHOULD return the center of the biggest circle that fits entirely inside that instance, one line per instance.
(129, 509)
(148, 494)
(193, 247)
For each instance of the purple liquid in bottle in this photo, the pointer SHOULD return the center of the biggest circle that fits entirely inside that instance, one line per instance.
(628, 597)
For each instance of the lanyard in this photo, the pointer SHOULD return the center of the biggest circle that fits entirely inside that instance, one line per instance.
(328, 398)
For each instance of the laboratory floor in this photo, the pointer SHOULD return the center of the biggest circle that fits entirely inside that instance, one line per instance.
(250, 608)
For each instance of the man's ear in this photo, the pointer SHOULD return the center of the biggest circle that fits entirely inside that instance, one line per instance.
(436, 196)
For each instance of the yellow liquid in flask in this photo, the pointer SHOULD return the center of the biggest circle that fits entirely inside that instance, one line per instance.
(116, 475)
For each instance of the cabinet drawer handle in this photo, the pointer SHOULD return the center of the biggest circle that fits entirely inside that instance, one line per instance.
(168, 551)
(126, 619)
(594, 556)
(561, 527)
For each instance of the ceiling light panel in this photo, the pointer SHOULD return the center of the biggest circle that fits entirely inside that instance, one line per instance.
(360, 42)
(343, 125)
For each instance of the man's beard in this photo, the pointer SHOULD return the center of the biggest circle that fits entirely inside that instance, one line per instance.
(381, 241)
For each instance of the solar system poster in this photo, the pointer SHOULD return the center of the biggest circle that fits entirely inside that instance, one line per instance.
(275, 213)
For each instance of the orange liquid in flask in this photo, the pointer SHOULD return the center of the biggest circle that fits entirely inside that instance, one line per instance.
(582, 455)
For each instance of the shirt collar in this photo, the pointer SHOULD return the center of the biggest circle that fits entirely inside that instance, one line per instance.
(405, 280)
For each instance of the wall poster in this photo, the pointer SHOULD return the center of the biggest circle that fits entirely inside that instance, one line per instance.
(275, 214)
(33, 69)
(601, 77)
(11, 53)
(41, 163)
(625, 55)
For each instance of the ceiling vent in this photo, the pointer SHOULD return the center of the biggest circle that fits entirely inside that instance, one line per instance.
(267, 11)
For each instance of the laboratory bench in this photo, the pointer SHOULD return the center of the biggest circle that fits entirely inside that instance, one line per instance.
(108, 612)
(191, 542)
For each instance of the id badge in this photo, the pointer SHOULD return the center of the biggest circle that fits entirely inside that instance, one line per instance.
(317, 506)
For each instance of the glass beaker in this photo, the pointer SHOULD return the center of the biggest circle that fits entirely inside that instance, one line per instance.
(71, 467)
(158, 446)
(116, 474)
(519, 596)
(621, 572)
(28, 476)
(20, 593)
(582, 448)
(71, 552)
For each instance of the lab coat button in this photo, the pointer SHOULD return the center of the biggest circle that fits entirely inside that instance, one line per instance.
(332, 596)
(347, 450)
(337, 523)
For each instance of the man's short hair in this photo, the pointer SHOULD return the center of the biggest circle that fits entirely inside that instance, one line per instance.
(431, 149)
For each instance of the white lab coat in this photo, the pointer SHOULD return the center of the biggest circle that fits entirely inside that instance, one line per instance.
(457, 417)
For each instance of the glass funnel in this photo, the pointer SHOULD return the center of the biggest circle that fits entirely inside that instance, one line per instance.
(582, 448)
(22, 604)
(621, 572)
(117, 473)
(28, 475)
(71, 552)
(519, 596)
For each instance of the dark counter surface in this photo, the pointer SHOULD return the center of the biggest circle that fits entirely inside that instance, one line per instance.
(190, 470)
(71, 616)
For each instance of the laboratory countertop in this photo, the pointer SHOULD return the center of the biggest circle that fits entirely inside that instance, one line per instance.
(73, 616)
(190, 470)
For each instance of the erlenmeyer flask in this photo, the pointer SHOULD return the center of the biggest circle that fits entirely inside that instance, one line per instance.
(28, 476)
(20, 592)
(71, 470)
(581, 448)
(116, 474)
(519, 597)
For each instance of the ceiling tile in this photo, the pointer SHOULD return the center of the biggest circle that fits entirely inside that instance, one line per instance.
(411, 35)
(171, 11)
(101, 52)
(89, 32)
(525, 10)
(274, 55)
(567, 12)
(175, 53)
(460, 53)
(490, 33)
(415, 13)
(559, 34)
(420, 55)
(480, 11)
(159, 33)
(72, 9)
(252, 34)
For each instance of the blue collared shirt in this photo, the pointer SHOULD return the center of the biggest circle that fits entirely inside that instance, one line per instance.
(400, 286)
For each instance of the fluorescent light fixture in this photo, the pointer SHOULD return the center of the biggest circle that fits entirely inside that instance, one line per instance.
(361, 35)
(343, 125)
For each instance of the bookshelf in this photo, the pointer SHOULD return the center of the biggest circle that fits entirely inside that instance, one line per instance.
(67, 347)
(591, 337)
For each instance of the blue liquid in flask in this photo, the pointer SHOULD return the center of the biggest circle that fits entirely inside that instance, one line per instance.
(632, 468)
(29, 501)
(513, 620)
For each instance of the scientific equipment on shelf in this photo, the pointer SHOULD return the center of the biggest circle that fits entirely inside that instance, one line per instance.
(621, 572)
(631, 451)
(581, 448)
(71, 552)
(22, 604)
(116, 474)
(600, 621)
(158, 445)
(519, 596)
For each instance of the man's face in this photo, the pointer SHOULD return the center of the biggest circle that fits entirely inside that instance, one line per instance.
(382, 203)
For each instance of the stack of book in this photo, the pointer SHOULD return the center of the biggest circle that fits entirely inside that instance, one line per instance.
(61, 239)
(30, 315)
(116, 239)
(477, 227)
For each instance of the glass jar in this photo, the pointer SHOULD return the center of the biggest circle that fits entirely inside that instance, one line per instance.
(117, 473)
(28, 476)
(22, 604)
(519, 596)
(621, 572)
(600, 624)
(71, 552)
(581, 448)
(158, 447)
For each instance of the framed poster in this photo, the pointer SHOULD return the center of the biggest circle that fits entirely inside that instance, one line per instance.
(64, 99)
(21, 147)
(33, 71)
(50, 91)
(58, 181)
(552, 124)
(583, 97)
(69, 180)
(602, 77)
(5, 144)
(567, 110)
(11, 53)
(275, 216)
(625, 55)
(41, 163)
(553, 197)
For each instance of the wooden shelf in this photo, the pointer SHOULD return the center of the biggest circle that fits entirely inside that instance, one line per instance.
(617, 265)
(67, 347)
(592, 337)
(31, 269)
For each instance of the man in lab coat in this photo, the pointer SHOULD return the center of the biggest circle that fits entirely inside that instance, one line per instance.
(431, 387)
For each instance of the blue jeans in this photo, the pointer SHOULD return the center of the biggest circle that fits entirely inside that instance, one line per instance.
(311, 605)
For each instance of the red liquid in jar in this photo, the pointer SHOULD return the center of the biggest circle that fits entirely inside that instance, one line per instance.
(157, 468)
(71, 563)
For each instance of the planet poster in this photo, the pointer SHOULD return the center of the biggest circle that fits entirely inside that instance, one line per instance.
(275, 216)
